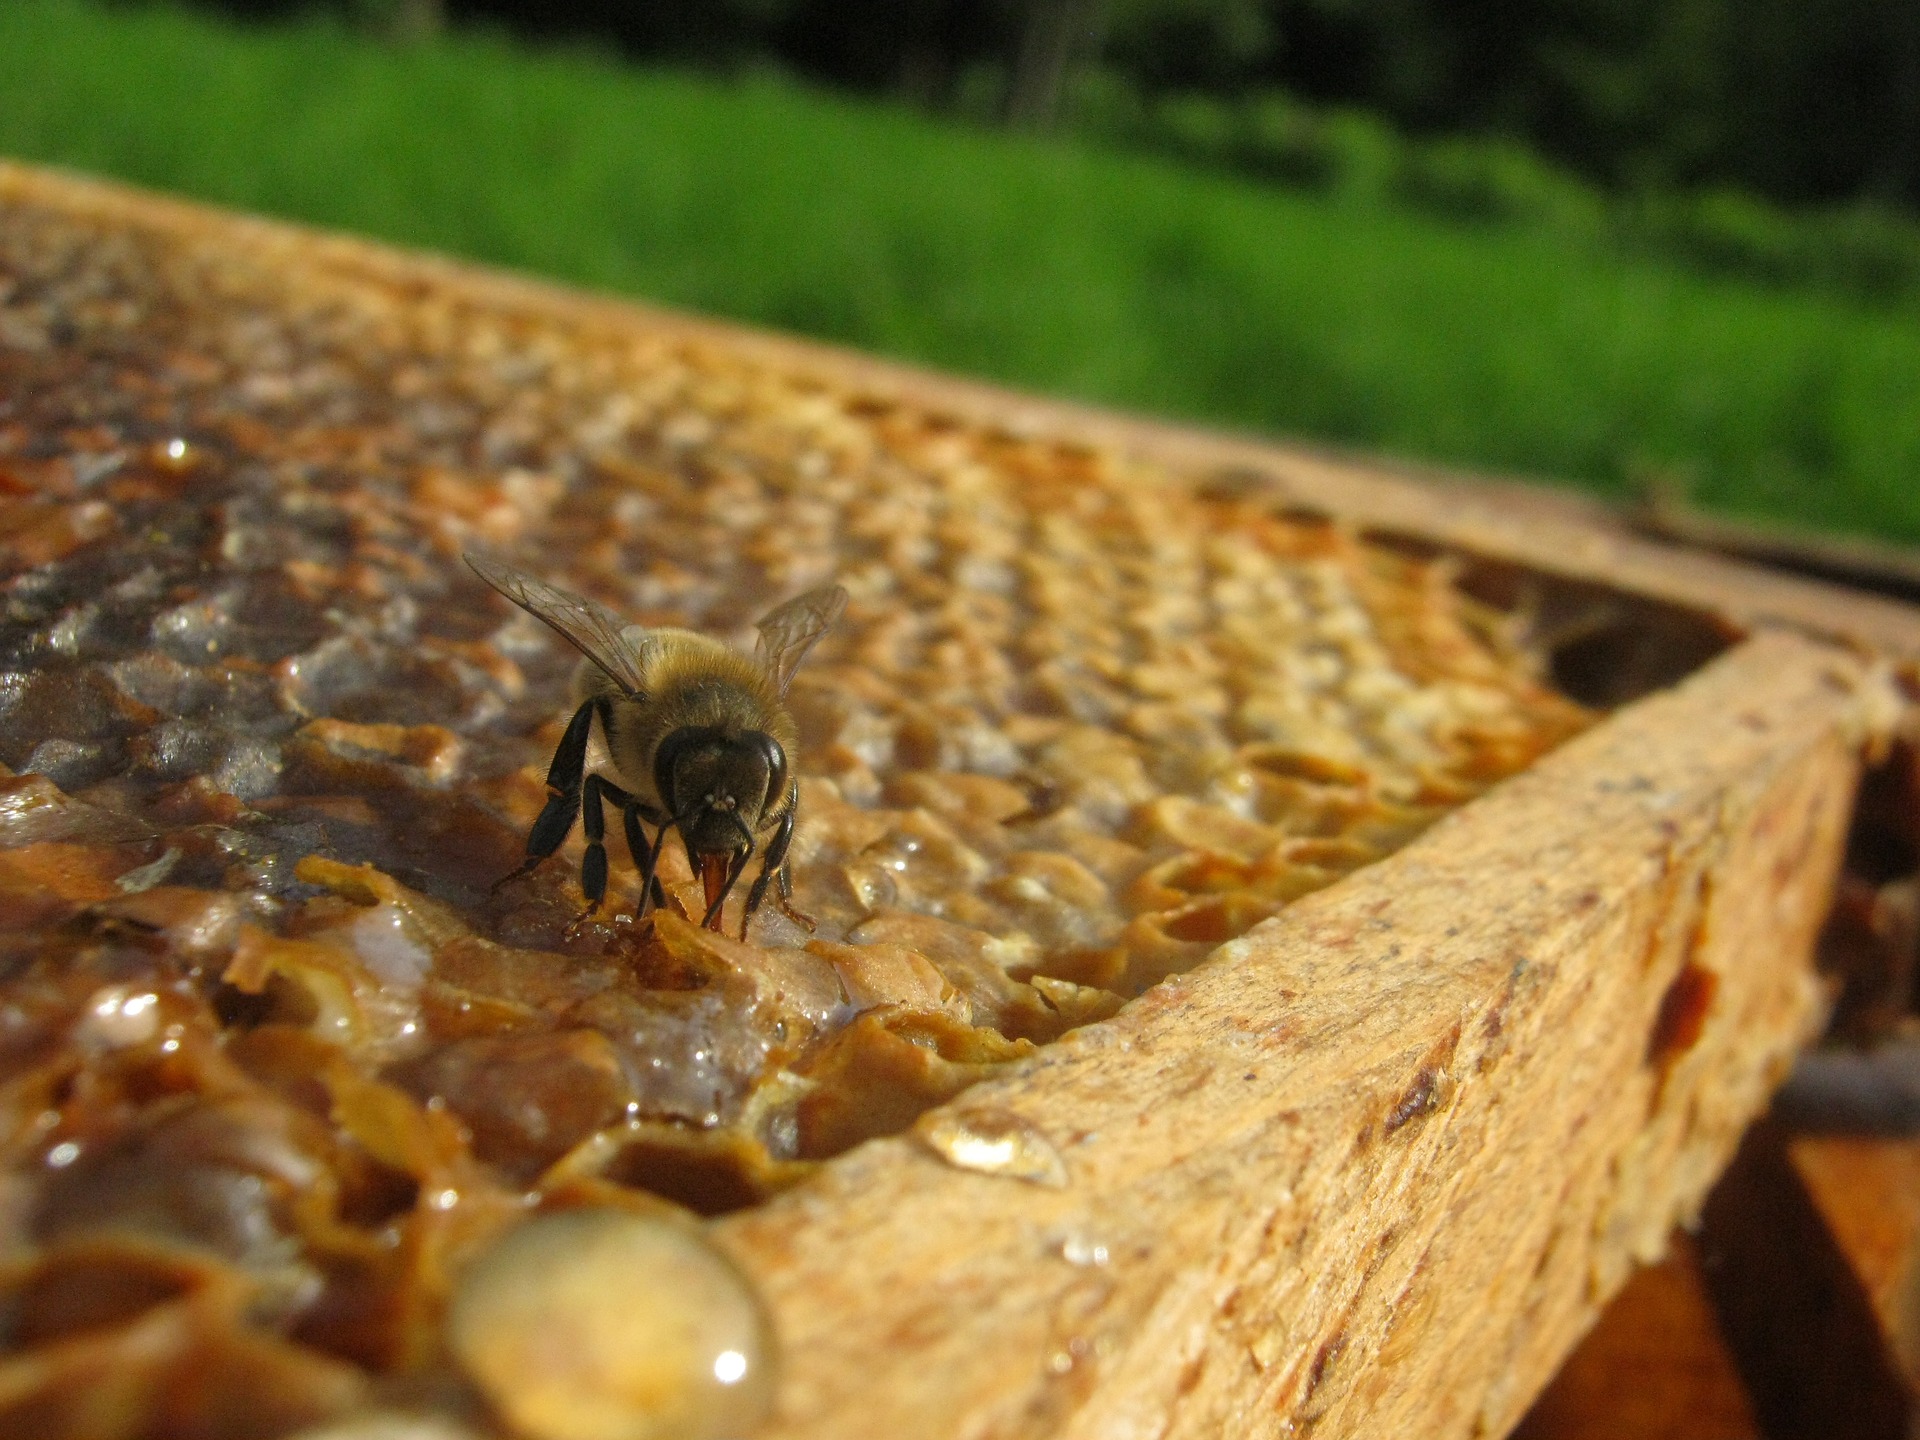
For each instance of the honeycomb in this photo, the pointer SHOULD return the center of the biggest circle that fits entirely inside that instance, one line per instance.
(277, 1060)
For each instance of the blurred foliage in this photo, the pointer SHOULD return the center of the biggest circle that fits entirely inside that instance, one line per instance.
(1770, 139)
(1800, 100)
(1865, 248)
(1188, 44)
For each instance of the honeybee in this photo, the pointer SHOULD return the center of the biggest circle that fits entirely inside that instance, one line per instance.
(696, 733)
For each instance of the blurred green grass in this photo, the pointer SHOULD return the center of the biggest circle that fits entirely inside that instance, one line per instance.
(1057, 265)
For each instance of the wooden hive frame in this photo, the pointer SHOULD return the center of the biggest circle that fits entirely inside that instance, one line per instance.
(1374, 1168)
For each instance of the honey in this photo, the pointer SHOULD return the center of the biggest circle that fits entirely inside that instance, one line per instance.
(281, 1069)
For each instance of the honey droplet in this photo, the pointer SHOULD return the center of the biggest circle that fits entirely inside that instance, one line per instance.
(118, 1017)
(1083, 1250)
(993, 1142)
(607, 1325)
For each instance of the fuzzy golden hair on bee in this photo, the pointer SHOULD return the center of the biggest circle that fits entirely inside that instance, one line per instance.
(697, 738)
(690, 681)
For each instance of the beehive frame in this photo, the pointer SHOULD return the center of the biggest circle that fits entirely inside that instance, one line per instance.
(1374, 1167)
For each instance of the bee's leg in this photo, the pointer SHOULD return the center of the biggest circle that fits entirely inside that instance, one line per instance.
(799, 917)
(646, 858)
(775, 865)
(734, 871)
(645, 855)
(563, 794)
(593, 865)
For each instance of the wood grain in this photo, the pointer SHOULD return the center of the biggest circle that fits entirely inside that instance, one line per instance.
(1867, 1192)
(1655, 1368)
(1814, 1242)
(1375, 1167)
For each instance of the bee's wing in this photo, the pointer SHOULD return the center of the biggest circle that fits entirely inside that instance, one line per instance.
(593, 630)
(788, 631)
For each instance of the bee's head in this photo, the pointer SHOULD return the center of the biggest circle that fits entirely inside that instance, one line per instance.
(716, 784)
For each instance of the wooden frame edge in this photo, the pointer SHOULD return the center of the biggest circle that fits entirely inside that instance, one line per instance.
(1375, 1167)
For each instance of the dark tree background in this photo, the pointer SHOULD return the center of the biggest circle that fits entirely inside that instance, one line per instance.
(1802, 100)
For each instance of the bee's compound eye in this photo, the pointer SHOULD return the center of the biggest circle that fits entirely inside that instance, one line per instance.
(776, 759)
(667, 759)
